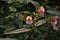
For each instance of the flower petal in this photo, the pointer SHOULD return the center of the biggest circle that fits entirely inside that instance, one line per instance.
(55, 28)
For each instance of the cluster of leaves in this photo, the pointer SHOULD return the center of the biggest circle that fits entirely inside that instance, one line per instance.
(11, 12)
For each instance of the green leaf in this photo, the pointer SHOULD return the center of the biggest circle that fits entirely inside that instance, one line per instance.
(26, 26)
(18, 5)
(10, 1)
(9, 29)
(18, 22)
(25, 12)
(54, 12)
(35, 3)
(44, 4)
(25, 1)
(2, 26)
(49, 8)
(12, 9)
(8, 39)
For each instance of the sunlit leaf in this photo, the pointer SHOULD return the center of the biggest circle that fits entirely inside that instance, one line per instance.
(40, 22)
(18, 31)
(12, 9)
(8, 39)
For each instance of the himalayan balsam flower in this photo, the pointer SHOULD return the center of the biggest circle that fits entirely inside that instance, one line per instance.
(29, 20)
(41, 11)
(54, 18)
(54, 22)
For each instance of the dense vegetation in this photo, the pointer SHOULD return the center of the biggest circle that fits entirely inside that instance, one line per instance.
(13, 14)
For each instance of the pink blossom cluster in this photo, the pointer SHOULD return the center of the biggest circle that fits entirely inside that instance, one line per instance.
(41, 11)
(53, 22)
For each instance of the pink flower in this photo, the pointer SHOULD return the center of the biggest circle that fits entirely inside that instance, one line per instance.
(51, 23)
(54, 18)
(41, 11)
(29, 20)
(55, 28)
(54, 22)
